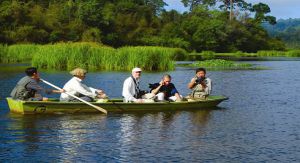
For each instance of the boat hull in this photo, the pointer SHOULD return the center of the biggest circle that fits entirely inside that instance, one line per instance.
(48, 107)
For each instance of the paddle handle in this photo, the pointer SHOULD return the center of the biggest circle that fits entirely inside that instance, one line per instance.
(92, 105)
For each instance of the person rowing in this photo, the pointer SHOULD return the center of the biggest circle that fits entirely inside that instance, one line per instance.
(75, 87)
(28, 87)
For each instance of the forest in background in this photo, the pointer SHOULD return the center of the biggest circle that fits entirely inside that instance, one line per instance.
(214, 25)
(287, 30)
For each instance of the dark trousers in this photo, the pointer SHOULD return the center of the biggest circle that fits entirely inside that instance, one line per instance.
(85, 98)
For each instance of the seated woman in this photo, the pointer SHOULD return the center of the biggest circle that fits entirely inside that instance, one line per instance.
(75, 87)
(165, 90)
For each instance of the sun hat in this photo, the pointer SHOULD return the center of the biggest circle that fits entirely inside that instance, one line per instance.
(78, 72)
(136, 69)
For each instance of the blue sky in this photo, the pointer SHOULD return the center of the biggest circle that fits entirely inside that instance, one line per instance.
(283, 9)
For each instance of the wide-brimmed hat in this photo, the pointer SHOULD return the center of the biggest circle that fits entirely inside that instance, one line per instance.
(136, 69)
(78, 72)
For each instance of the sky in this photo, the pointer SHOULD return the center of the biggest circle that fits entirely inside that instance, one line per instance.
(281, 9)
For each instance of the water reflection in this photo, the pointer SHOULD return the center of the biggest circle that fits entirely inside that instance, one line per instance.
(259, 123)
(10, 70)
(22, 136)
(167, 128)
(60, 136)
(67, 138)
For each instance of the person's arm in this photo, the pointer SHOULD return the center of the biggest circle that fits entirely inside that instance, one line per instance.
(208, 87)
(35, 86)
(83, 89)
(100, 93)
(58, 91)
(175, 92)
(127, 86)
(39, 89)
(177, 95)
(156, 90)
(192, 83)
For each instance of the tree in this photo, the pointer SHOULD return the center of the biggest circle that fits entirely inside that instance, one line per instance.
(260, 10)
(230, 5)
(193, 3)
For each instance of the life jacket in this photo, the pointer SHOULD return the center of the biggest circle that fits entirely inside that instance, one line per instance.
(21, 92)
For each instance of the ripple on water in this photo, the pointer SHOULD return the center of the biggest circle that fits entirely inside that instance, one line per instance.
(259, 123)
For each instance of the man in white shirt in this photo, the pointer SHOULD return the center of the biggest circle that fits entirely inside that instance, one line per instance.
(131, 90)
(75, 87)
(201, 85)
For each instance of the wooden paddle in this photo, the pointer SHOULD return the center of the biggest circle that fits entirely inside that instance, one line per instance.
(94, 106)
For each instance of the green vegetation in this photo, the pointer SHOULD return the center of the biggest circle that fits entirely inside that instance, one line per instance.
(16, 53)
(93, 56)
(287, 30)
(271, 53)
(290, 53)
(220, 64)
(293, 53)
(206, 55)
(97, 57)
(139, 23)
(148, 58)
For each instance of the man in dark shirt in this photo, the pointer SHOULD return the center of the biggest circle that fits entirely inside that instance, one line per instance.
(165, 90)
(29, 89)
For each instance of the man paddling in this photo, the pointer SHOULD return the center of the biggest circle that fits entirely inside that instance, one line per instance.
(75, 87)
(28, 87)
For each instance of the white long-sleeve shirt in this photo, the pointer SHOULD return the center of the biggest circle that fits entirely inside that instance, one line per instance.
(129, 90)
(75, 87)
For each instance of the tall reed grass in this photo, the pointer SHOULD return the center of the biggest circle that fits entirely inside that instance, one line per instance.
(3, 52)
(148, 58)
(66, 56)
(17, 53)
(293, 53)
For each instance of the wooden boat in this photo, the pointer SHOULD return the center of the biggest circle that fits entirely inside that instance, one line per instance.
(113, 105)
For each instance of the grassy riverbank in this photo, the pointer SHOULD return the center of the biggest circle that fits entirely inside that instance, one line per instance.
(220, 64)
(66, 56)
(94, 56)
(205, 55)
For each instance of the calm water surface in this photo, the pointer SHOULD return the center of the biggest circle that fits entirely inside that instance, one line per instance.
(259, 123)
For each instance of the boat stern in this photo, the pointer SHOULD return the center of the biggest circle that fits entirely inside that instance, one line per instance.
(15, 105)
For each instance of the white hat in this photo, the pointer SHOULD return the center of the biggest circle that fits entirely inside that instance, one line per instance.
(136, 69)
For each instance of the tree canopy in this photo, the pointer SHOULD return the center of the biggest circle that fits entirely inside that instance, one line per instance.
(288, 30)
(138, 22)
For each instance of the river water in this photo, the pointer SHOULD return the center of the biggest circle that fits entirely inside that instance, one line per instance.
(259, 123)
